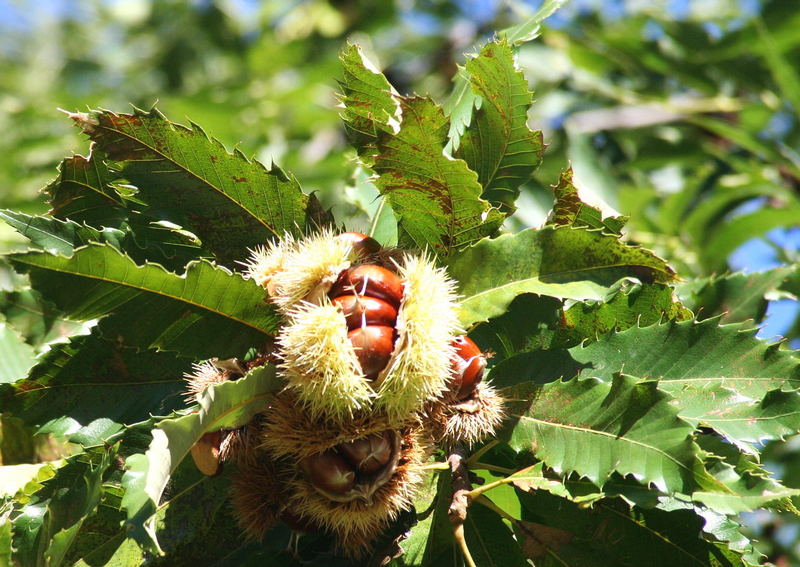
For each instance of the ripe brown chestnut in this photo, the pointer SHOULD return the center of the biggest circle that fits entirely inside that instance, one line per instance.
(329, 472)
(369, 280)
(373, 345)
(360, 310)
(362, 244)
(368, 454)
(466, 367)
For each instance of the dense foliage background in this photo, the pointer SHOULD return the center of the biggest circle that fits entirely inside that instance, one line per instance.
(681, 115)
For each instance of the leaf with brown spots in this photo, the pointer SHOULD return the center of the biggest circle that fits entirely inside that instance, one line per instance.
(570, 210)
(231, 202)
(560, 262)
(436, 198)
(498, 144)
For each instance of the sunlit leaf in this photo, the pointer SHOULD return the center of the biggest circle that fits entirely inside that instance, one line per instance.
(231, 202)
(208, 311)
(560, 262)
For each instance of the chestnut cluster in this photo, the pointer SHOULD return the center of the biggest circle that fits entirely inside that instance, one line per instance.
(369, 297)
(377, 372)
(355, 464)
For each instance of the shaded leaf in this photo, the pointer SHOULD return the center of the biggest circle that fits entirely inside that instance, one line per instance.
(205, 312)
(529, 324)
(490, 541)
(610, 534)
(82, 192)
(37, 320)
(737, 297)
(230, 404)
(232, 203)
(498, 144)
(16, 356)
(560, 262)
(46, 527)
(89, 378)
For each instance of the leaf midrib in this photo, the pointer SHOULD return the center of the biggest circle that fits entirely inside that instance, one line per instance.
(185, 169)
(225, 315)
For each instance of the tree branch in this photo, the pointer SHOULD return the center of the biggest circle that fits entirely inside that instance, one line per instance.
(457, 513)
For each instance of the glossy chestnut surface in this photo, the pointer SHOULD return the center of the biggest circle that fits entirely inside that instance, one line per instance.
(466, 367)
(360, 311)
(373, 345)
(362, 244)
(369, 280)
(329, 471)
(368, 454)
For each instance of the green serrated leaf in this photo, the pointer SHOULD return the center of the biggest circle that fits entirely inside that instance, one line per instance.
(736, 297)
(230, 404)
(498, 144)
(370, 104)
(232, 203)
(56, 236)
(208, 311)
(462, 99)
(719, 375)
(141, 237)
(436, 198)
(83, 193)
(89, 378)
(559, 262)
(45, 528)
(611, 535)
(626, 426)
(748, 487)
(631, 305)
(570, 209)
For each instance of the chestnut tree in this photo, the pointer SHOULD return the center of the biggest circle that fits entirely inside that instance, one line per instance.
(634, 412)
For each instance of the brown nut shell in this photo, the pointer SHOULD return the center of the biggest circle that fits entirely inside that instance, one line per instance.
(373, 346)
(329, 472)
(360, 311)
(370, 280)
(368, 454)
(466, 368)
(205, 453)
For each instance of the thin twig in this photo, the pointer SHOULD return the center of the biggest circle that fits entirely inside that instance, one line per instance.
(458, 507)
